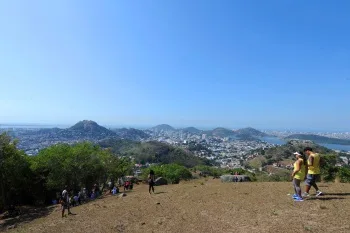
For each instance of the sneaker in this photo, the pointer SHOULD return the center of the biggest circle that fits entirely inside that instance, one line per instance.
(298, 199)
(305, 194)
(318, 193)
(295, 196)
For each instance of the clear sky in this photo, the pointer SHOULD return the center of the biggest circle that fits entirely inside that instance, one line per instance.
(265, 64)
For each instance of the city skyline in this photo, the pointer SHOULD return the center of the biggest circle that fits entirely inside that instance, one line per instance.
(267, 65)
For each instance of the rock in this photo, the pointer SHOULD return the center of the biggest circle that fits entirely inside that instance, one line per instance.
(11, 227)
(158, 203)
(143, 223)
(122, 195)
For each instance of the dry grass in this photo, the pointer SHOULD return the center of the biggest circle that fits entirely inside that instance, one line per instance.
(213, 207)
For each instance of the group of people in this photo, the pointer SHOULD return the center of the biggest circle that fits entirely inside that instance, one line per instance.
(308, 169)
(69, 198)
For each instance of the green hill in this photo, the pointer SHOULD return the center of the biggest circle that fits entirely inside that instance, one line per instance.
(153, 152)
(131, 134)
(319, 139)
(286, 151)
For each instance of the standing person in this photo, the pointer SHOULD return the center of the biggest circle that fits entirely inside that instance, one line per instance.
(313, 173)
(299, 174)
(151, 181)
(65, 200)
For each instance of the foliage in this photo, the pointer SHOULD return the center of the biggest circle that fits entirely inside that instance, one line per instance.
(15, 174)
(328, 169)
(344, 174)
(27, 179)
(80, 165)
(172, 172)
(153, 152)
(264, 177)
(210, 171)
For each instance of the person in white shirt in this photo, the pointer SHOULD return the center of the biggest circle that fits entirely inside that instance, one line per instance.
(65, 201)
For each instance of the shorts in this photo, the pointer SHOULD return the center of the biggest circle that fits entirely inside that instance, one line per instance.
(311, 179)
(65, 205)
(151, 182)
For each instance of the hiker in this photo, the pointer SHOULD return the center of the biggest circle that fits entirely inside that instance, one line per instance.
(236, 179)
(114, 190)
(313, 173)
(65, 201)
(299, 174)
(151, 181)
(126, 185)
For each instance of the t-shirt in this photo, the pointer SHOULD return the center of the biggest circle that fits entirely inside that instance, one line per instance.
(65, 196)
(315, 168)
(300, 175)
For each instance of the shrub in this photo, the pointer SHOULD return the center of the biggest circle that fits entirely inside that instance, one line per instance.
(172, 172)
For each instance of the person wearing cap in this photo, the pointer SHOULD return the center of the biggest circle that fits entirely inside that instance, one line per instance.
(299, 174)
(65, 201)
(313, 173)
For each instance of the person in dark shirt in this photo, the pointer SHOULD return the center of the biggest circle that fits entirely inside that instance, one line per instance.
(151, 181)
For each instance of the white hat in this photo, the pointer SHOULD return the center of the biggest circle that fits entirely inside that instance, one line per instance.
(296, 153)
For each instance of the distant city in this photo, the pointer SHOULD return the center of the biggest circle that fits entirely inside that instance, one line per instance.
(225, 146)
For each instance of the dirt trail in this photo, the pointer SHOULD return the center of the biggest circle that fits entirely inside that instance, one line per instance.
(206, 206)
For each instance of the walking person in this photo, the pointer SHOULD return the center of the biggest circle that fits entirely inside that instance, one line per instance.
(151, 181)
(65, 201)
(299, 174)
(313, 173)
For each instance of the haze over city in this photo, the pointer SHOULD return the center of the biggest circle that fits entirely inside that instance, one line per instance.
(264, 64)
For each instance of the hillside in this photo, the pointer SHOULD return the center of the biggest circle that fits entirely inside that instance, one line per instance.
(88, 128)
(163, 127)
(204, 206)
(319, 139)
(221, 132)
(192, 130)
(251, 132)
(286, 151)
(153, 152)
(131, 134)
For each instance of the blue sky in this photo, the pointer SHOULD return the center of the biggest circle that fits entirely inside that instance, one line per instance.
(265, 64)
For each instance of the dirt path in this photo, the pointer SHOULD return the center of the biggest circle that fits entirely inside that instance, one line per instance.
(211, 207)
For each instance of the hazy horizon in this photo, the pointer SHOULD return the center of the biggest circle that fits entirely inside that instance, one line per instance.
(137, 126)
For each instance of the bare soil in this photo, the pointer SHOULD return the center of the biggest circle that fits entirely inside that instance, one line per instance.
(205, 206)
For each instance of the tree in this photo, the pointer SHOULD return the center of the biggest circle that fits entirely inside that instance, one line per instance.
(14, 172)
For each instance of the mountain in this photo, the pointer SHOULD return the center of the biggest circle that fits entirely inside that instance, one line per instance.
(221, 132)
(251, 132)
(319, 139)
(163, 127)
(192, 130)
(90, 127)
(131, 134)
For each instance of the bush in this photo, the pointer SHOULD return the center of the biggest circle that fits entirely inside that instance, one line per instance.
(210, 171)
(173, 173)
(328, 169)
(344, 174)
